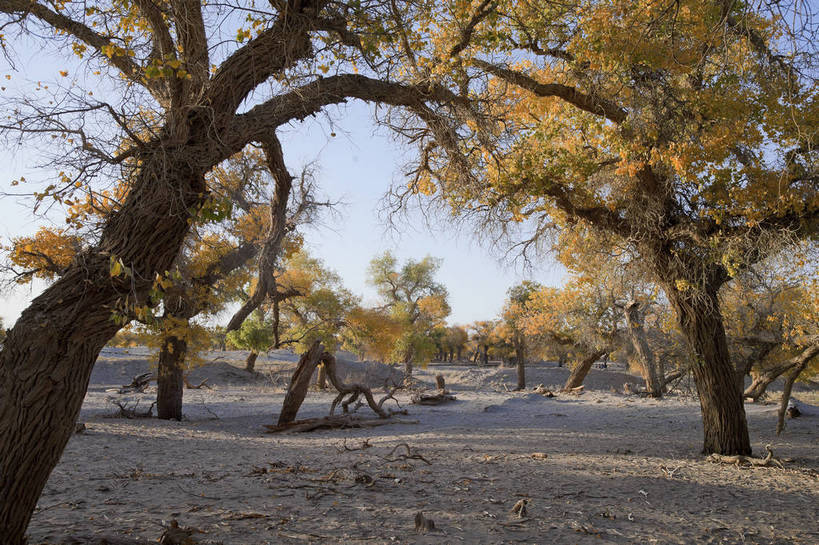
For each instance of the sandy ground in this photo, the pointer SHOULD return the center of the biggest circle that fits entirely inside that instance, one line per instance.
(601, 467)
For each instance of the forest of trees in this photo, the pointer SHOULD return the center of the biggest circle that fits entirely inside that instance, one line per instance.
(666, 155)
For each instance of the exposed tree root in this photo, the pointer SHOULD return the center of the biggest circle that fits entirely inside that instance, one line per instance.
(739, 459)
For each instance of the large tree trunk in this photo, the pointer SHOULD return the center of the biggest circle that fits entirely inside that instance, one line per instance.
(485, 355)
(170, 384)
(725, 428)
(651, 374)
(250, 362)
(48, 355)
(581, 370)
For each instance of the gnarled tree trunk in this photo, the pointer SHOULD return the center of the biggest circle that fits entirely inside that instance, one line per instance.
(520, 363)
(170, 385)
(581, 370)
(250, 362)
(651, 373)
(725, 428)
(48, 355)
(297, 390)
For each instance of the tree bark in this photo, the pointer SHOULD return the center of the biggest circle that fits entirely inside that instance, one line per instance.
(581, 370)
(170, 385)
(321, 379)
(485, 355)
(725, 428)
(651, 373)
(250, 362)
(48, 355)
(520, 362)
(299, 384)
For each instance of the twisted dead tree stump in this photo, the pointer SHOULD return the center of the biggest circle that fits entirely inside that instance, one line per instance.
(300, 383)
(354, 391)
(438, 397)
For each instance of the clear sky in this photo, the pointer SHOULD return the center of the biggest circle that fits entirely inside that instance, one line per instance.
(357, 166)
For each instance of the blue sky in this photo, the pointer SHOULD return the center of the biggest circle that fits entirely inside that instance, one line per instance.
(356, 166)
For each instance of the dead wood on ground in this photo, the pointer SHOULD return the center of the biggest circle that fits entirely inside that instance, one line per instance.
(138, 384)
(434, 397)
(423, 524)
(340, 421)
(519, 510)
(199, 386)
(177, 535)
(739, 459)
(542, 390)
(131, 412)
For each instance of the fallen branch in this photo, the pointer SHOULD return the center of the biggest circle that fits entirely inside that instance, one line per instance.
(437, 398)
(739, 459)
(199, 386)
(542, 390)
(138, 384)
(341, 421)
(410, 455)
(131, 412)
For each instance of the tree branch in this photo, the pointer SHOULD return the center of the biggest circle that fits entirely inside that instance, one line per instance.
(585, 102)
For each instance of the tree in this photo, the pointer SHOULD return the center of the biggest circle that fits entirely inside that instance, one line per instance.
(371, 334)
(255, 335)
(514, 314)
(319, 312)
(483, 339)
(415, 300)
(771, 318)
(580, 315)
(180, 105)
(685, 132)
(224, 238)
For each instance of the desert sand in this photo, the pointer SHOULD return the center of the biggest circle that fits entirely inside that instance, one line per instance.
(601, 467)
